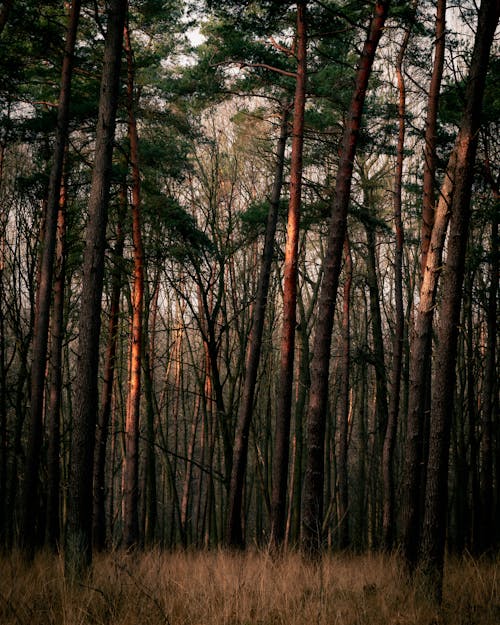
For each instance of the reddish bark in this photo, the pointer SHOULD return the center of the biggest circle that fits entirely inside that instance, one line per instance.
(281, 447)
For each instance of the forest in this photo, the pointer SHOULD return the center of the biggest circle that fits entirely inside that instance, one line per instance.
(249, 279)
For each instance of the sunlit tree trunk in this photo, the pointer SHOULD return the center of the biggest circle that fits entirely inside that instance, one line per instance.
(44, 293)
(462, 161)
(283, 414)
(78, 553)
(131, 465)
(312, 511)
(421, 343)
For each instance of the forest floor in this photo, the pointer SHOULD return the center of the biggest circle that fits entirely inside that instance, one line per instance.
(221, 588)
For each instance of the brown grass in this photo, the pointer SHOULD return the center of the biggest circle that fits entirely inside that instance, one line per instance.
(220, 588)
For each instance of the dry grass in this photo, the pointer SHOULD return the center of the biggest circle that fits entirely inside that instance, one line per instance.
(220, 588)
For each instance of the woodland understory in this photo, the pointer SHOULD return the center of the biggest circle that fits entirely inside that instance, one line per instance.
(249, 278)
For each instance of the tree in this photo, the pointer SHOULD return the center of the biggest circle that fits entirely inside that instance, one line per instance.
(461, 163)
(78, 546)
(45, 290)
(234, 533)
(131, 468)
(283, 415)
(312, 516)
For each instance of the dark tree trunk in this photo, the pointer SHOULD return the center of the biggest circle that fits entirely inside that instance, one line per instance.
(78, 553)
(29, 514)
(283, 414)
(436, 499)
(489, 404)
(312, 515)
(234, 533)
(102, 430)
(343, 410)
(4, 13)
(55, 390)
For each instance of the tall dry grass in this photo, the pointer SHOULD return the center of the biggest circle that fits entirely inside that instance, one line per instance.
(221, 588)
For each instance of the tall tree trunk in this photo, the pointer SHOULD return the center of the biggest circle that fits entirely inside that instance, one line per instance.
(131, 464)
(421, 339)
(388, 516)
(436, 499)
(430, 159)
(78, 554)
(312, 516)
(283, 413)
(44, 292)
(489, 404)
(55, 390)
(103, 424)
(234, 534)
(343, 409)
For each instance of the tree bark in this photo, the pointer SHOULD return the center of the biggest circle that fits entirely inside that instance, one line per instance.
(131, 464)
(436, 499)
(78, 553)
(103, 424)
(44, 292)
(343, 411)
(388, 515)
(283, 414)
(52, 531)
(312, 515)
(430, 159)
(234, 533)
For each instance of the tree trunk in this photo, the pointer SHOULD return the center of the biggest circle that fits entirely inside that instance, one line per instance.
(131, 463)
(234, 534)
(436, 500)
(490, 386)
(430, 159)
(421, 340)
(312, 515)
(54, 403)
(388, 516)
(102, 430)
(78, 555)
(343, 411)
(283, 414)
(44, 293)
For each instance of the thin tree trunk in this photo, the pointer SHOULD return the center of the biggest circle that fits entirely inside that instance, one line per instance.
(102, 430)
(234, 534)
(343, 409)
(490, 386)
(388, 519)
(312, 515)
(131, 464)
(436, 500)
(78, 555)
(29, 514)
(421, 339)
(283, 413)
(430, 159)
(54, 403)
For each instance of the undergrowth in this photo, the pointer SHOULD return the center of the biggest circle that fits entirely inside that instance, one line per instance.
(252, 588)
